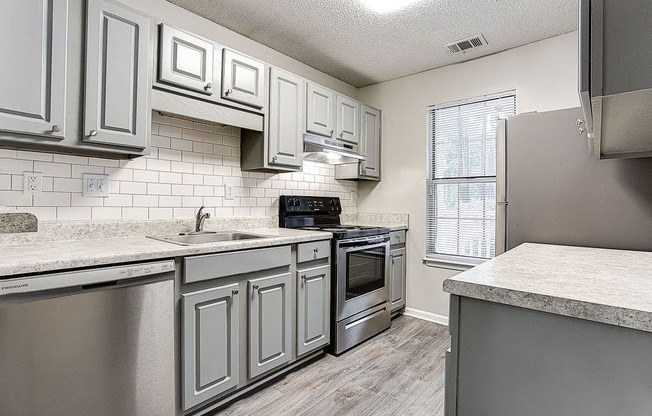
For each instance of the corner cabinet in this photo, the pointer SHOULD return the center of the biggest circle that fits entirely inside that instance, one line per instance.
(286, 103)
(211, 326)
(117, 101)
(269, 323)
(33, 71)
(370, 142)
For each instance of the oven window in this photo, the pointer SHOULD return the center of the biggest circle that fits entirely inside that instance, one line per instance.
(365, 271)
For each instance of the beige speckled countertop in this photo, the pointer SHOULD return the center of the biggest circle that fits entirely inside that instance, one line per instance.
(47, 256)
(608, 286)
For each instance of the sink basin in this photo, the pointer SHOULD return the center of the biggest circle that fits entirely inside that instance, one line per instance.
(207, 237)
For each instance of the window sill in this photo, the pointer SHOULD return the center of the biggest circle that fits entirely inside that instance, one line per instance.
(452, 262)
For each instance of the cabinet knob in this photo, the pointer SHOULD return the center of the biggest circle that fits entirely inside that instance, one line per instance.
(228, 92)
(56, 128)
(208, 86)
(235, 291)
(332, 131)
(317, 250)
(341, 135)
(304, 277)
(274, 159)
(93, 133)
(256, 287)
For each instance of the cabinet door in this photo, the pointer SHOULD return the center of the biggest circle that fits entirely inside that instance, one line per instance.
(397, 278)
(313, 309)
(320, 111)
(210, 331)
(269, 323)
(33, 68)
(348, 119)
(285, 118)
(243, 79)
(185, 60)
(117, 106)
(370, 141)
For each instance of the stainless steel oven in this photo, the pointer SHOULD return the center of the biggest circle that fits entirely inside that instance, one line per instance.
(362, 266)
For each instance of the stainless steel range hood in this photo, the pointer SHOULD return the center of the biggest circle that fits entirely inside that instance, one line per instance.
(330, 151)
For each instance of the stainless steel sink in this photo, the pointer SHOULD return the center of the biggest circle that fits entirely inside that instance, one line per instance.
(206, 237)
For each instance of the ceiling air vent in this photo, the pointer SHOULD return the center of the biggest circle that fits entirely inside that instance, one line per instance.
(466, 44)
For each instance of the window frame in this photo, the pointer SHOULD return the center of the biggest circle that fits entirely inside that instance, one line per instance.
(450, 261)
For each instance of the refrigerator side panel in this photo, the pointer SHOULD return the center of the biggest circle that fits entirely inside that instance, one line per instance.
(559, 194)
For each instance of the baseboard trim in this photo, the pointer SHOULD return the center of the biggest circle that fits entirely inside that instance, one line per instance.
(426, 316)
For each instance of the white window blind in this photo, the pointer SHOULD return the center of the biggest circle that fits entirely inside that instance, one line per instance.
(461, 182)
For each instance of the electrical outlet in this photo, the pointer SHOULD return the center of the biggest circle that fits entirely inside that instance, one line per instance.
(32, 183)
(228, 192)
(95, 186)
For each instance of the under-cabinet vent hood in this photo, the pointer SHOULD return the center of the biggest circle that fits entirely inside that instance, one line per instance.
(329, 151)
(180, 105)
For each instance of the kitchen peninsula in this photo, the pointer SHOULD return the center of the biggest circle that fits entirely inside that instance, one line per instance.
(552, 330)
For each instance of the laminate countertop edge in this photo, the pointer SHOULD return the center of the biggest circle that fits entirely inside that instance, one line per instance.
(54, 256)
(608, 286)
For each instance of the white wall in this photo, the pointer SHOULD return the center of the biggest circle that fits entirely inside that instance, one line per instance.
(171, 14)
(544, 75)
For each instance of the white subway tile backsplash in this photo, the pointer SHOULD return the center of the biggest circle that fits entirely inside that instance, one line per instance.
(188, 166)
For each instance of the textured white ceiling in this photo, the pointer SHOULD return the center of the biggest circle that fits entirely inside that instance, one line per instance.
(348, 41)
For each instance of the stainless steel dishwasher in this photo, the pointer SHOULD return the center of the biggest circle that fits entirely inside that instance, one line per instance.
(94, 342)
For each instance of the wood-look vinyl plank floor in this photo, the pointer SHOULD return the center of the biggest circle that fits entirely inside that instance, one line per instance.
(399, 372)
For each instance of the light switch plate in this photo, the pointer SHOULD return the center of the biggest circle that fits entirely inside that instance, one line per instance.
(228, 192)
(95, 186)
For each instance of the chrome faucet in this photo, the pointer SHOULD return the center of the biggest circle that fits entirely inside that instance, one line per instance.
(201, 217)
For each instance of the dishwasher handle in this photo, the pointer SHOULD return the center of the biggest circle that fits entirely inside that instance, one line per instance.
(86, 278)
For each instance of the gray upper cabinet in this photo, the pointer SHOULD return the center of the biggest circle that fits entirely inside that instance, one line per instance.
(210, 349)
(286, 104)
(270, 323)
(320, 110)
(33, 69)
(313, 309)
(186, 60)
(243, 79)
(348, 119)
(370, 142)
(117, 93)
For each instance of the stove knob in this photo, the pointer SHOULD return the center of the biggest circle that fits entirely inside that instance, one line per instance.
(296, 202)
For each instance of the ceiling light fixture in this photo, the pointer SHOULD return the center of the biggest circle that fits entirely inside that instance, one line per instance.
(387, 6)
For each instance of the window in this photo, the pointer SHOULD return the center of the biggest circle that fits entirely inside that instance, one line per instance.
(461, 182)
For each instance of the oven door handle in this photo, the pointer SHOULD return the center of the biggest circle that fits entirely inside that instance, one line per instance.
(365, 246)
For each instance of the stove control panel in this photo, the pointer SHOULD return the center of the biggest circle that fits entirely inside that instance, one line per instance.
(315, 205)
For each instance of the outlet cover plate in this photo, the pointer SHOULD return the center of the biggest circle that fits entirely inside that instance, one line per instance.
(228, 192)
(32, 183)
(95, 186)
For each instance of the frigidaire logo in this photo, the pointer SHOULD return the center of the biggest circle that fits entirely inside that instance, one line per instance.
(14, 286)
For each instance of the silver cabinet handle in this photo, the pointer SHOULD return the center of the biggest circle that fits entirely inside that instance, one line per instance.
(581, 131)
(56, 128)
(235, 291)
(93, 133)
(256, 287)
(208, 86)
(228, 92)
(579, 122)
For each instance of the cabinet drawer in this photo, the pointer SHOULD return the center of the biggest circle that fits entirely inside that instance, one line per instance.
(397, 237)
(313, 251)
(213, 266)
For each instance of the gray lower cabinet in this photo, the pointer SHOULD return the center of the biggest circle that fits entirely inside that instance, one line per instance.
(33, 70)
(313, 308)
(397, 269)
(117, 106)
(210, 350)
(270, 323)
(397, 278)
